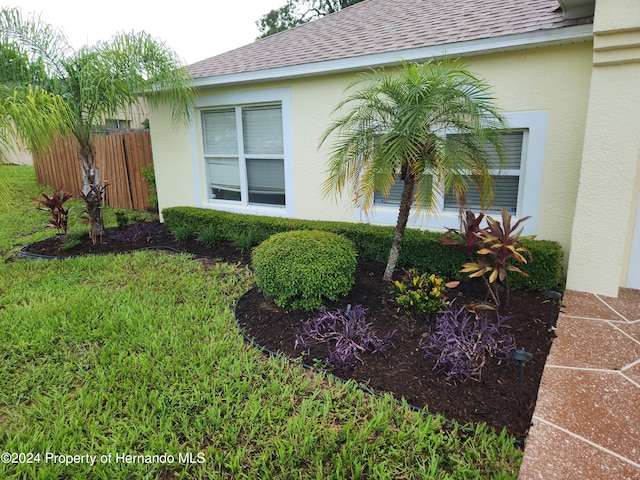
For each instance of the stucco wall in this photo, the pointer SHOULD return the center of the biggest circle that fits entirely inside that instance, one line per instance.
(313, 100)
(553, 80)
(172, 160)
(602, 237)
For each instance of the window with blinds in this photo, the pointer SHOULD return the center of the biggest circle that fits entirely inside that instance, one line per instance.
(506, 181)
(243, 148)
(505, 187)
(395, 194)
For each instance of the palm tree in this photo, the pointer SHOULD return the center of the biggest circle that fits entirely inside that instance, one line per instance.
(81, 89)
(430, 125)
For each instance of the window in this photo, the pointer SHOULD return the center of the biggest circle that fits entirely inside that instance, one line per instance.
(117, 124)
(244, 154)
(505, 181)
(532, 127)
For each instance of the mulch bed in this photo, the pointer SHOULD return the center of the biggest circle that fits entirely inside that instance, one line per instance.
(402, 371)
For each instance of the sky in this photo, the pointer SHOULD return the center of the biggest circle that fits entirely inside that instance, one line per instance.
(195, 29)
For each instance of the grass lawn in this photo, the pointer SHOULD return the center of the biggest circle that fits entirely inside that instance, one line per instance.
(132, 362)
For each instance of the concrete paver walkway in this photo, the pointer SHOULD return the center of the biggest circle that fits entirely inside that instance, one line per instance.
(586, 424)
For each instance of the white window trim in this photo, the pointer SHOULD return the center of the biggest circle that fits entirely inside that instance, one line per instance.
(529, 189)
(200, 181)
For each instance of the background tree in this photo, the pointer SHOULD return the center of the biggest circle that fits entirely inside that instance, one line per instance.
(297, 12)
(428, 124)
(53, 90)
(18, 94)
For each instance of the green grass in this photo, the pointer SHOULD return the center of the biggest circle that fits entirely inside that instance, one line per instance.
(18, 218)
(21, 223)
(137, 355)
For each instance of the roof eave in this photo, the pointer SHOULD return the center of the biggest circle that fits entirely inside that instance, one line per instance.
(540, 38)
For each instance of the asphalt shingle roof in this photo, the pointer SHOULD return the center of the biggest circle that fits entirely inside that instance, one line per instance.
(381, 26)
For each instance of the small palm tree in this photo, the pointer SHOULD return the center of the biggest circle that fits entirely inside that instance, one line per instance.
(54, 90)
(429, 124)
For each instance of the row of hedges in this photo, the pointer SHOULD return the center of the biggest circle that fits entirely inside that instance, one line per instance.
(420, 248)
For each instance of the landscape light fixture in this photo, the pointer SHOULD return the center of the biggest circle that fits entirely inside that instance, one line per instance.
(521, 357)
(552, 296)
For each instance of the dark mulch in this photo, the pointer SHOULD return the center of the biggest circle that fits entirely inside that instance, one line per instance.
(130, 237)
(403, 370)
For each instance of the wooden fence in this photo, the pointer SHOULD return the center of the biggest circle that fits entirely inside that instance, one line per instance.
(119, 158)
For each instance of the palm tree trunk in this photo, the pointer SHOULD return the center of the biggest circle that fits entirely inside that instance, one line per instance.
(91, 190)
(401, 225)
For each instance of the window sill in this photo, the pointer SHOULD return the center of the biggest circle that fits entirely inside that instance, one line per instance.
(237, 207)
(439, 221)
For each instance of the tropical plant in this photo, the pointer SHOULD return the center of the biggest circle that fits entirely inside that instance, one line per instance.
(54, 204)
(460, 342)
(396, 126)
(422, 293)
(346, 335)
(92, 211)
(501, 244)
(466, 238)
(80, 89)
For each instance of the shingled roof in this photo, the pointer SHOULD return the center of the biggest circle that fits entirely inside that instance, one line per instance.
(383, 26)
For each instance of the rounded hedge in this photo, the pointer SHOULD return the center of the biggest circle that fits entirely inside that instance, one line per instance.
(303, 268)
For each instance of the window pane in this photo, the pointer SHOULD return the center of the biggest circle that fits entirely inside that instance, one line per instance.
(394, 195)
(262, 127)
(512, 150)
(220, 132)
(224, 178)
(266, 181)
(505, 191)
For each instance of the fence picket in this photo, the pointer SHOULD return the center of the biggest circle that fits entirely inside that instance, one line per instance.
(119, 158)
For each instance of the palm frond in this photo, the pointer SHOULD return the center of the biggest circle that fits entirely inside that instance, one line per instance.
(39, 41)
(401, 118)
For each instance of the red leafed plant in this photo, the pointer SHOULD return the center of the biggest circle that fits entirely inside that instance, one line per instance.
(501, 244)
(54, 204)
(467, 238)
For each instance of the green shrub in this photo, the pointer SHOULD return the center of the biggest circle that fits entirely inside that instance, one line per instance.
(420, 248)
(245, 241)
(302, 269)
(182, 233)
(139, 217)
(149, 175)
(122, 217)
(72, 239)
(544, 269)
(209, 235)
(127, 217)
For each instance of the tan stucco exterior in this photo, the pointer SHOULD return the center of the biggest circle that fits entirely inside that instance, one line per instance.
(554, 81)
(603, 239)
(587, 186)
